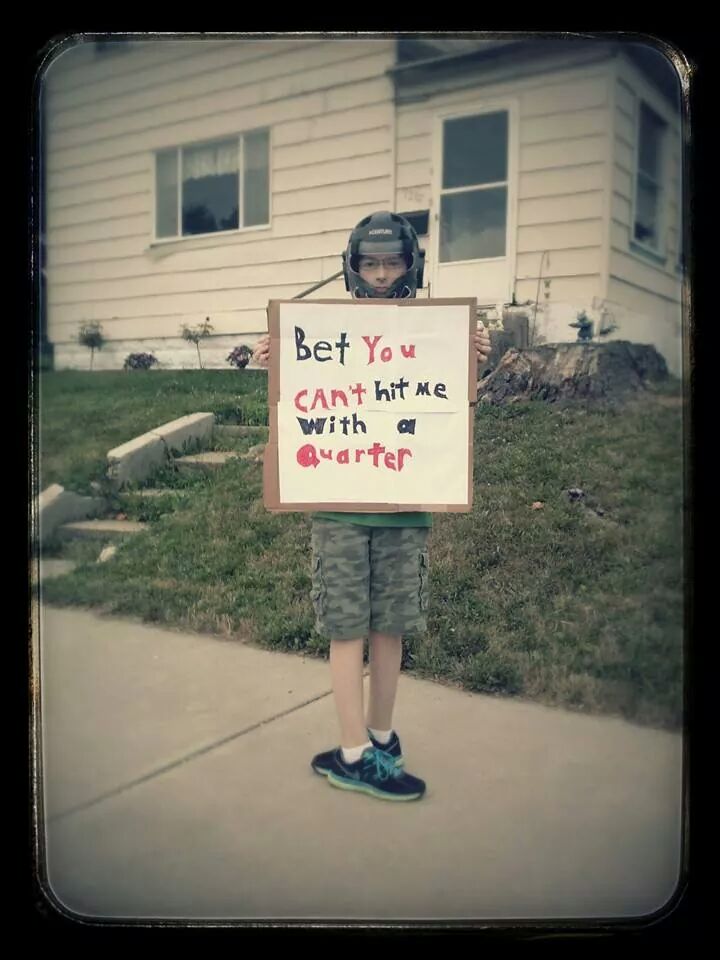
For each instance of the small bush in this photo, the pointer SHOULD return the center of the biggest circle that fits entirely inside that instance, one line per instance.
(240, 356)
(139, 361)
(91, 336)
(196, 334)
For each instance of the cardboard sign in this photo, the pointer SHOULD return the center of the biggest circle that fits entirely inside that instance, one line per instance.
(370, 405)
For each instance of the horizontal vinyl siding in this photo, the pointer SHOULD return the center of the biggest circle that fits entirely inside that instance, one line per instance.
(561, 263)
(330, 109)
(221, 74)
(560, 208)
(564, 126)
(230, 99)
(576, 289)
(104, 261)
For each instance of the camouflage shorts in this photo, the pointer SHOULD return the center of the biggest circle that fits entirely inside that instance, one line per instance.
(368, 578)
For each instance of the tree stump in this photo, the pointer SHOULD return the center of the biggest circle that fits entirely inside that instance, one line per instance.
(573, 371)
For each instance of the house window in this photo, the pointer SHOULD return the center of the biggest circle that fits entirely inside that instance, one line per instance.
(419, 220)
(213, 187)
(473, 200)
(649, 179)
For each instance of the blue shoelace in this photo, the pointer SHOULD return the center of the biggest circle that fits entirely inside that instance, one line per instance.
(384, 764)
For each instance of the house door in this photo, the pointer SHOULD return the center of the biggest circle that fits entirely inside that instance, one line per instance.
(473, 235)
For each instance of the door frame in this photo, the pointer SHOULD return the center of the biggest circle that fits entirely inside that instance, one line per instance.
(511, 105)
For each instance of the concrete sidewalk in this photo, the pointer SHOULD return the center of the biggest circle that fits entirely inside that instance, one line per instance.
(176, 784)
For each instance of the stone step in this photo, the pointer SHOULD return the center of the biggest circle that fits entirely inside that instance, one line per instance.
(51, 567)
(206, 462)
(254, 454)
(152, 492)
(100, 529)
(238, 430)
(56, 506)
(215, 459)
(138, 458)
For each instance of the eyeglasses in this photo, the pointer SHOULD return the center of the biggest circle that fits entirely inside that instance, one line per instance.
(390, 263)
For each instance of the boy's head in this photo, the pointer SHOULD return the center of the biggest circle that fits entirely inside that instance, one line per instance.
(383, 258)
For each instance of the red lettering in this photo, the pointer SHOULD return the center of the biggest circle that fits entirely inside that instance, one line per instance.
(358, 454)
(358, 390)
(343, 456)
(299, 394)
(386, 354)
(371, 347)
(402, 453)
(326, 454)
(375, 450)
(306, 456)
(408, 351)
(336, 395)
(390, 461)
(319, 398)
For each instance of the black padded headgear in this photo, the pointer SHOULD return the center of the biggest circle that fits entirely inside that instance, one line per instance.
(384, 234)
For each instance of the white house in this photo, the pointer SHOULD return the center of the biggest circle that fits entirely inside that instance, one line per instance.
(199, 178)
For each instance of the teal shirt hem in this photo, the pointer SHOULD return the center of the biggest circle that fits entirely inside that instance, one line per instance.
(398, 519)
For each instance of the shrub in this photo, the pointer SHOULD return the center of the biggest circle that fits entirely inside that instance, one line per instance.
(91, 336)
(139, 361)
(196, 334)
(240, 356)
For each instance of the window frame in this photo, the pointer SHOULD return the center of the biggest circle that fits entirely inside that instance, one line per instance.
(179, 148)
(657, 253)
(440, 191)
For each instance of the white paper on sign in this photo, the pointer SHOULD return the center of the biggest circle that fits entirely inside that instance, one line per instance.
(373, 404)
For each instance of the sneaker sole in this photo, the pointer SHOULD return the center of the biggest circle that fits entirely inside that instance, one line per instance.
(324, 773)
(359, 787)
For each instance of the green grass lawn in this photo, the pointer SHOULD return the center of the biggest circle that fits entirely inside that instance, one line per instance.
(82, 415)
(558, 604)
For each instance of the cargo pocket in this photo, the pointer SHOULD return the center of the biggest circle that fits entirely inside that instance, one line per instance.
(423, 585)
(319, 591)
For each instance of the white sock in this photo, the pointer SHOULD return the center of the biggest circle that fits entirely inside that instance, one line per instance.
(382, 736)
(353, 754)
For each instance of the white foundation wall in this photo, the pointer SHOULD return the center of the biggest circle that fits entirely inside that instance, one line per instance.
(172, 353)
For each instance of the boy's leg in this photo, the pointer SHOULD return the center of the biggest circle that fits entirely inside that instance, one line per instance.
(385, 660)
(341, 581)
(346, 671)
(399, 566)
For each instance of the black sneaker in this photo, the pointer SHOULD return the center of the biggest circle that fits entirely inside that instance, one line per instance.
(376, 774)
(323, 762)
(392, 747)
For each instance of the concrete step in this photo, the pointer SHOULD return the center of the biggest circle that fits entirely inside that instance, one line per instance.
(255, 454)
(51, 567)
(215, 459)
(100, 529)
(206, 462)
(239, 430)
(138, 458)
(152, 492)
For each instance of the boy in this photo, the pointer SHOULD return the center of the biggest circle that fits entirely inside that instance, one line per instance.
(369, 571)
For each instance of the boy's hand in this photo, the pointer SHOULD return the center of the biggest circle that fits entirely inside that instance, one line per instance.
(482, 343)
(261, 353)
